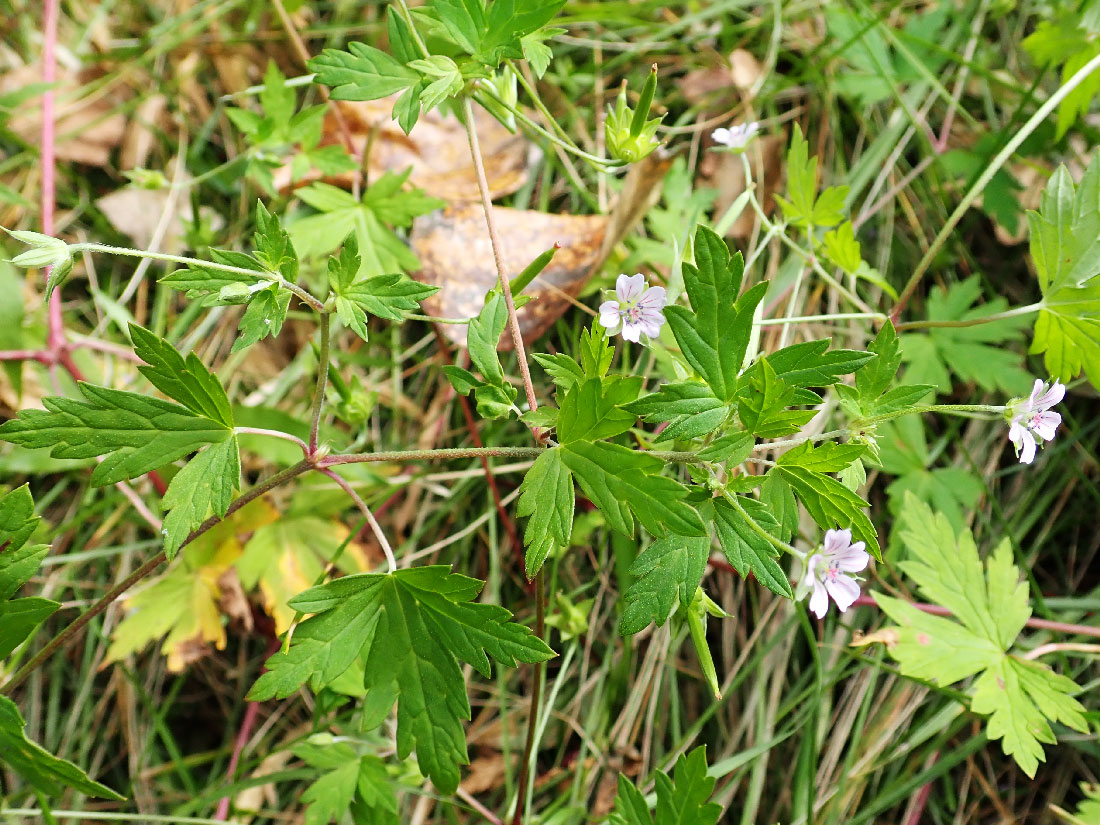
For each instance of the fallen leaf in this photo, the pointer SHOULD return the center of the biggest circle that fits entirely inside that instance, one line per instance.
(181, 605)
(484, 774)
(465, 276)
(138, 212)
(887, 636)
(745, 71)
(88, 125)
(437, 150)
(701, 84)
(253, 799)
(141, 133)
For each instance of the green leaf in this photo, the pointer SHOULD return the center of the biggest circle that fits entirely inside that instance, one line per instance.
(982, 354)
(40, 769)
(186, 380)
(361, 73)
(802, 206)
(546, 495)
(830, 503)
(483, 337)
(135, 433)
(621, 482)
(745, 548)
(667, 572)
(274, 249)
(536, 52)
(412, 627)
(731, 449)
(989, 611)
(507, 22)
(347, 779)
(762, 404)
(593, 409)
(690, 409)
(714, 334)
(18, 562)
(563, 370)
(205, 485)
(813, 364)
(874, 377)
(828, 457)
(681, 799)
(276, 98)
(263, 316)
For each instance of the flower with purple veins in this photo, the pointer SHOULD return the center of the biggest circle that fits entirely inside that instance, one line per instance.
(637, 310)
(826, 572)
(1031, 421)
(736, 138)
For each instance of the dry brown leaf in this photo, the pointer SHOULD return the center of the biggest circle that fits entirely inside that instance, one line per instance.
(436, 150)
(484, 774)
(724, 172)
(141, 134)
(255, 798)
(745, 71)
(455, 255)
(88, 125)
(138, 212)
(701, 84)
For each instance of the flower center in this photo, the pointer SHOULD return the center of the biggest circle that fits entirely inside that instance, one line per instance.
(832, 571)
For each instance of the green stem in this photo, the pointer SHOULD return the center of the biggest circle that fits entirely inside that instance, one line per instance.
(526, 766)
(319, 390)
(105, 601)
(809, 319)
(760, 531)
(306, 298)
(472, 452)
(412, 27)
(979, 185)
(973, 322)
(808, 257)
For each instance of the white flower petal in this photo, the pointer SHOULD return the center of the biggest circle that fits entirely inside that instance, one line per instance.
(632, 332)
(653, 298)
(1036, 392)
(1017, 434)
(1027, 450)
(844, 591)
(629, 287)
(819, 601)
(1045, 425)
(1051, 397)
(854, 559)
(837, 540)
(722, 136)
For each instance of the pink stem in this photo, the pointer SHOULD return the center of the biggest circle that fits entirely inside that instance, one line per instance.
(39, 355)
(55, 339)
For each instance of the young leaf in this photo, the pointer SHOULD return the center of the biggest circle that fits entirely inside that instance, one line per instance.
(990, 610)
(667, 572)
(263, 316)
(507, 22)
(745, 548)
(38, 767)
(361, 73)
(802, 206)
(593, 409)
(347, 781)
(563, 370)
(681, 799)
(18, 562)
(762, 404)
(483, 336)
(412, 627)
(874, 377)
(813, 364)
(135, 433)
(1065, 245)
(714, 334)
(546, 495)
(622, 482)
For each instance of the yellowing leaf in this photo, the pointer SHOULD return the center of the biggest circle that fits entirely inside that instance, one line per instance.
(182, 605)
(287, 556)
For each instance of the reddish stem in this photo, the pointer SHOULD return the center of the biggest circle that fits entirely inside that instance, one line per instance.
(55, 337)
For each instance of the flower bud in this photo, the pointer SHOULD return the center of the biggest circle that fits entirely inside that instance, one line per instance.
(234, 293)
(627, 132)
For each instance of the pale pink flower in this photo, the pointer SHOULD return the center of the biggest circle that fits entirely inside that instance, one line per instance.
(1032, 422)
(637, 311)
(736, 138)
(826, 569)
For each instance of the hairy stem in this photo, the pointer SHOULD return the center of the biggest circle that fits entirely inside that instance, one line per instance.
(973, 322)
(498, 256)
(313, 302)
(142, 572)
(375, 527)
(445, 453)
(995, 165)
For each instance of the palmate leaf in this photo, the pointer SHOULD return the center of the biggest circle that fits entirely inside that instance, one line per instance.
(1018, 696)
(18, 562)
(668, 573)
(689, 407)
(625, 484)
(714, 334)
(546, 495)
(1065, 246)
(348, 780)
(745, 548)
(38, 767)
(681, 798)
(593, 409)
(977, 353)
(361, 73)
(412, 628)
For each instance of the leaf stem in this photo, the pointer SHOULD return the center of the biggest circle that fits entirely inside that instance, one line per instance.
(446, 453)
(760, 531)
(322, 383)
(146, 569)
(375, 527)
(983, 180)
(972, 322)
(273, 434)
(302, 294)
(498, 255)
